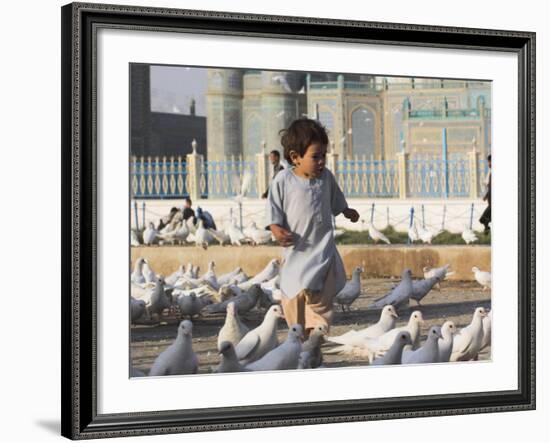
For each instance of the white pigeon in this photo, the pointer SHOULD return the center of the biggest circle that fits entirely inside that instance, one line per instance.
(137, 274)
(284, 356)
(445, 343)
(426, 235)
(229, 361)
(350, 291)
(150, 234)
(175, 276)
(281, 80)
(235, 234)
(221, 237)
(378, 346)
(259, 236)
(148, 272)
(210, 276)
(233, 329)
(482, 277)
(387, 320)
(178, 358)
(223, 279)
(487, 326)
(134, 239)
(259, 341)
(467, 342)
(178, 234)
(376, 235)
(202, 237)
(428, 353)
(469, 236)
(270, 271)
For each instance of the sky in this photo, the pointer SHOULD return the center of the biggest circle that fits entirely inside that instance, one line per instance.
(172, 88)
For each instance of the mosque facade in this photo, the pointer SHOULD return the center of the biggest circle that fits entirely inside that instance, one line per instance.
(366, 116)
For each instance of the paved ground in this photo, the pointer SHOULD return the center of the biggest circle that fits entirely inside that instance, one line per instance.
(456, 301)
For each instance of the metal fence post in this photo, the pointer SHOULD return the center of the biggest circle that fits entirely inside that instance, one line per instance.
(471, 215)
(372, 213)
(142, 214)
(443, 220)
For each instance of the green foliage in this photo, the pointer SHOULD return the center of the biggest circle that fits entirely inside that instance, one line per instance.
(400, 238)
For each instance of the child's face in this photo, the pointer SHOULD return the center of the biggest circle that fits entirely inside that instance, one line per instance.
(311, 165)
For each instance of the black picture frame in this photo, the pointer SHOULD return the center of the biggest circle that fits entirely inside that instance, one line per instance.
(79, 211)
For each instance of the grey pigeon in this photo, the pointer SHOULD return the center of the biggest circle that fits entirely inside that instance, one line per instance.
(467, 341)
(134, 372)
(233, 330)
(284, 356)
(191, 305)
(137, 309)
(441, 272)
(311, 355)
(395, 353)
(178, 358)
(244, 302)
(351, 290)
(159, 301)
(399, 295)
(422, 287)
(428, 353)
(446, 341)
(259, 341)
(388, 316)
(229, 361)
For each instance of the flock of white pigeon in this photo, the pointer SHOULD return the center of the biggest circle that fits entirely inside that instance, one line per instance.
(189, 294)
(179, 231)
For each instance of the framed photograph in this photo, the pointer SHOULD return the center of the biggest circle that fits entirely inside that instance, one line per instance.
(273, 221)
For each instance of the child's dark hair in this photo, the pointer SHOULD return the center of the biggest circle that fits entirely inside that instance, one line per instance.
(300, 135)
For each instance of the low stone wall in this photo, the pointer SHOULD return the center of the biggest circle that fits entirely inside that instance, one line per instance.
(379, 261)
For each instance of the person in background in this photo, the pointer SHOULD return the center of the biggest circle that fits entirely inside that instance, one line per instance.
(275, 159)
(207, 219)
(485, 218)
(188, 211)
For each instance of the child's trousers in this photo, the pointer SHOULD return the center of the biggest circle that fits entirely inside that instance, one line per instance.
(310, 308)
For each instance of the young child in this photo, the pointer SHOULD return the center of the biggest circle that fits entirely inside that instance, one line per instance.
(301, 202)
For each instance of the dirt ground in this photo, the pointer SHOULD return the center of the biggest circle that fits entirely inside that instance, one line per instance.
(456, 301)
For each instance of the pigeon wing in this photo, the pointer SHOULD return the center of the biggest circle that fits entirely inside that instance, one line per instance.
(247, 346)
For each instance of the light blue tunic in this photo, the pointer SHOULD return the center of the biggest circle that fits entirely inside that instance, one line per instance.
(305, 207)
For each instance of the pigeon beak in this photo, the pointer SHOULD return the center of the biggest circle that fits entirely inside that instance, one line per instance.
(394, 315)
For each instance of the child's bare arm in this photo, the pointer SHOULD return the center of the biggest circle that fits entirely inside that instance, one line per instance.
(351, 214)
(283, 236)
